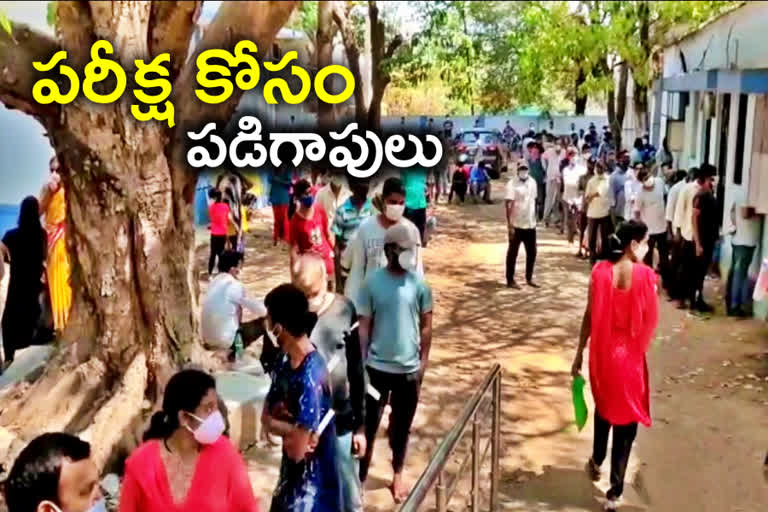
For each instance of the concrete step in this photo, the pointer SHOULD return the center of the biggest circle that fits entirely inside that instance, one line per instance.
(243, 394)
(27, 365)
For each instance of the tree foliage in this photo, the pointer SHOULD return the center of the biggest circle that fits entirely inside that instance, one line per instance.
(500, 55)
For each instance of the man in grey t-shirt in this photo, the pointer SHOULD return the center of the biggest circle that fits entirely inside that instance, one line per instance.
(395, 307)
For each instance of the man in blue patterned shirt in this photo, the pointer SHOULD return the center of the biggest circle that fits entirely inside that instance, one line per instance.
(347, 219)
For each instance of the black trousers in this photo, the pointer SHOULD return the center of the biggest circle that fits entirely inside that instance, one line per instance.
(604, 227)
(527, 237)
(675, 283)
(218, 242)
(541, 197)
(623, 438)
(701, 268)
(402, 393)
(460, 189)
(659, 242)
(418, 217)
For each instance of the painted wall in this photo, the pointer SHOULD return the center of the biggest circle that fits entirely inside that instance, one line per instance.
(736, 39)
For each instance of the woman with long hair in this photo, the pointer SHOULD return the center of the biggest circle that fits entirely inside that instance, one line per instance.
(53, 205)
(186, 464)
(24, 247)
(620, 319)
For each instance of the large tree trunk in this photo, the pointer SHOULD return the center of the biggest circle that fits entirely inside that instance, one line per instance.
(640, 89)
(129, 193)
(617, 124)
(579, 98)
(324, 54)
(341, 16)
(381, 52)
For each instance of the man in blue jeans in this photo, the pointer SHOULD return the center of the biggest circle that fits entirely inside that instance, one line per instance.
(395, 307)
(745, 229)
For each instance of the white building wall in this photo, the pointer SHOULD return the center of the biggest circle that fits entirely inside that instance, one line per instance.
(736, 39)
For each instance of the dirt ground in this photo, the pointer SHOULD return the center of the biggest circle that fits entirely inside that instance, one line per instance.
(704, 451)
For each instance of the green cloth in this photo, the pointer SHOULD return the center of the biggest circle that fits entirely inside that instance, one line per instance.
(579, 404)
(415, 183)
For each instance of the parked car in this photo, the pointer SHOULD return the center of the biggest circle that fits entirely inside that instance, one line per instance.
(491, 146)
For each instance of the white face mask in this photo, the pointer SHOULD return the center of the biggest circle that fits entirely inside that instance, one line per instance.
(99, 506)
(649, 182)
(271, 334)
(394, 212)
(407, 259)
(210, 429)
(523, 175)
(640, 251)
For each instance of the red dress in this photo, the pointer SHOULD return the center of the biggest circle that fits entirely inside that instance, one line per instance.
(623, 323)
(311, 235)
(220, 482)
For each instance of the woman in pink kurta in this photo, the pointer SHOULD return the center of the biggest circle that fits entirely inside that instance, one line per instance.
(185, 463)
(620, 320)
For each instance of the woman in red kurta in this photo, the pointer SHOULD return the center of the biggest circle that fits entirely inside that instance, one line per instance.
(185, 463)
(621, 317)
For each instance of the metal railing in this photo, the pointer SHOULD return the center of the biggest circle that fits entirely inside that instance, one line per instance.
(435, 474)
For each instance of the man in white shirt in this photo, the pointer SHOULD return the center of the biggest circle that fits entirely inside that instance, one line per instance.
(746, 228)
(221, 321)
(673, 282)
(551, 159)
(649, 208)
(632, 186)
(521, 224)
(332, 195)
(684, 237)
(571, 196)
(598, 200)
(365, 251)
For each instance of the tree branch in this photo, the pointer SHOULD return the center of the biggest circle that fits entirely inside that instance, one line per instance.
(393, 45)
(17, 76)
(171, 27)
(349, 39)
(236, 21)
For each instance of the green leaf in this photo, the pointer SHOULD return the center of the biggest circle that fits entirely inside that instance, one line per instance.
(5, 23)
(51, 14)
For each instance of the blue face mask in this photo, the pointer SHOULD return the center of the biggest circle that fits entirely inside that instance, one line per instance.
(307, 201)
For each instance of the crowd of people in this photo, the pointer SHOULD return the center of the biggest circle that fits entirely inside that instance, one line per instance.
(588, 191)
(350, 335)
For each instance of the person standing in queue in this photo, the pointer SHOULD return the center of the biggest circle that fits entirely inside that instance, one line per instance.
(395, 307)
(348, 218)
(25, 249)
(280, 198)
(365, 252)
(219, 214)
(619, 322)
(706, 231)
(675, 284)
(336, 338)
(297, 407)
(685, 238)
(310, 231)
(597, 199)
(186, 464)
(536, 170)
(415, 183)
(745, 228)
(649, 208)
(54, 473)
(521, 224)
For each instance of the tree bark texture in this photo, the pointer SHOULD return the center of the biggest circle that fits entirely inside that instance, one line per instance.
(324, 53)
(342, 18)
(129, 196)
